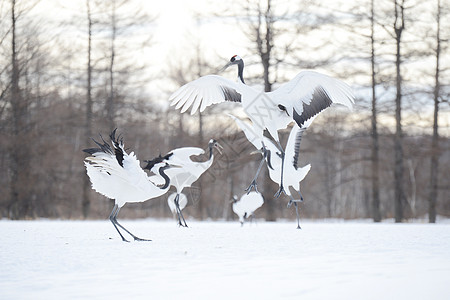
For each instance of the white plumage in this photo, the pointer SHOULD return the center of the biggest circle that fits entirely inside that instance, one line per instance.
(292, 175)
(303, 97)
(247, 205)
(299, 100)
(187, 171)
(117, 175)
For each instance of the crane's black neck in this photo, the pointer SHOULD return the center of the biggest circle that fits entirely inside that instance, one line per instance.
(241, 71)
(166, 178)
(211, 150)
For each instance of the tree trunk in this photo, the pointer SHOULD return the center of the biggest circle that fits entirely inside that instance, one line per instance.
(20, 202)
(399, 26)
(15, 103)
(86, 203)
(435, 138)
(110, 109)
(376, 214)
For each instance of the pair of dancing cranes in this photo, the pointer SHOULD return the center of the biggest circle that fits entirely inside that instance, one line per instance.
(118, 175)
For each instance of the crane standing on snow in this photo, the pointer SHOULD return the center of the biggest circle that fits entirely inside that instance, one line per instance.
(188, 171)
(247, 205)
(117, 175)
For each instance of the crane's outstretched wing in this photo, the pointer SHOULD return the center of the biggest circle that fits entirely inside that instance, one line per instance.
(111, 169)
(309, 93)
(203, 92)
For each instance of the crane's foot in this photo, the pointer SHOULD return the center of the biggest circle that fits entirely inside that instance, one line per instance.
(279, 192)
(141, 240)
(251, 186)
(292, 201)
(181, 224)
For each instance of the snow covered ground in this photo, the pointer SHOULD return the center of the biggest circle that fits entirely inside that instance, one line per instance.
(218, 260)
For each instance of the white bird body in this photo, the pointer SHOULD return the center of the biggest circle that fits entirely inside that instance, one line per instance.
(117, 175)
(182, 202)
(247, 205)
(292, 175)
(124, 184)
(187, 171)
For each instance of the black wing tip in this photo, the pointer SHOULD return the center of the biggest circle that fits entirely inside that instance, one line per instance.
(151, 163)
(320, 101)
(91, 151)
(106, 148)
(230, 94)
(298, 140)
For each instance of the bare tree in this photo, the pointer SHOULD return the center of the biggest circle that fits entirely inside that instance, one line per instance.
(86, 203)
(435, 138)
(399, 27)
(376, 214)
(20, 152)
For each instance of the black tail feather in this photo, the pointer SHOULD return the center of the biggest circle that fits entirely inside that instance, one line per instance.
(106, 148)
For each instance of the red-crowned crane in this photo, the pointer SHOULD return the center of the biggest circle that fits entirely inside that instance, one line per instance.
(117, 175)
(300, 99)
(187, 171)
(293, 174)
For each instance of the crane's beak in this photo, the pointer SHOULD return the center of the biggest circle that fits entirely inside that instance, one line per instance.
(172, 165)
(256, 152)
(226, 66)
(218, 147)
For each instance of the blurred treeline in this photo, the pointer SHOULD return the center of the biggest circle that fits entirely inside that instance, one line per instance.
(65, 80)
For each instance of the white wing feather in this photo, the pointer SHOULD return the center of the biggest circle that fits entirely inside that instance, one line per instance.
(249, 132)
(301, 88)
(202, 92)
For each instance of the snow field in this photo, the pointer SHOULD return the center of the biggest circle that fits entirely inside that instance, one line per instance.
(218, 260)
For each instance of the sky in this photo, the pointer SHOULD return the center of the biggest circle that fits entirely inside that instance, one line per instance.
(176, 35)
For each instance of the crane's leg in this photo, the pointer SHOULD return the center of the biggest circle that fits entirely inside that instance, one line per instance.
(112, 219)
(253, 184)
(115, 222)
(177, 208)
(281, 189)
(296, 209)
(179, 213)
(301, 196)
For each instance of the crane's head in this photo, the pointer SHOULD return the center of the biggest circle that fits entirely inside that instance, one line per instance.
(213, 143)
(234, 60)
